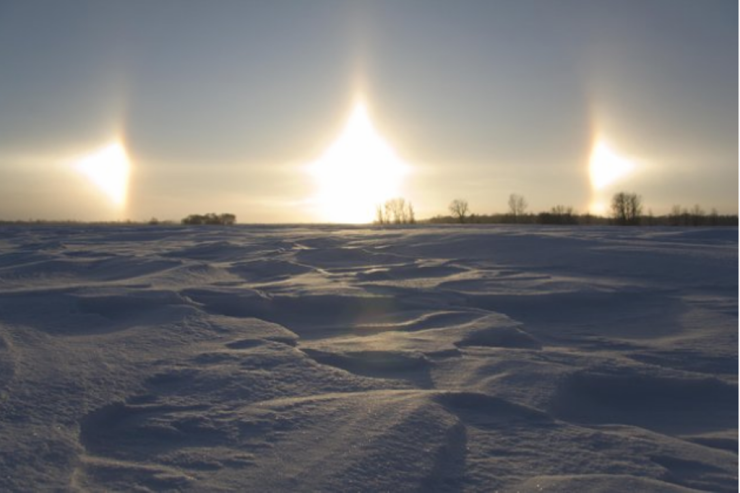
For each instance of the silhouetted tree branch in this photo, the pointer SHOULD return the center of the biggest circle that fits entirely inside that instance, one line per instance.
(517, 206)
(459, 209)
(395, 211)
(626, 208)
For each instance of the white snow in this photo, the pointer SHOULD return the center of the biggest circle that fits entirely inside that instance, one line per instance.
(336, 359)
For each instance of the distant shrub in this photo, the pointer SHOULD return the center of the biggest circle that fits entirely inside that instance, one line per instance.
(210, 218)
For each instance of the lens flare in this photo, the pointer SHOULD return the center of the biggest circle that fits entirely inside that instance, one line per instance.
(357, 172)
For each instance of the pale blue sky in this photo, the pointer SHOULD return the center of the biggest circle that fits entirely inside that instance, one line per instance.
(222, 105)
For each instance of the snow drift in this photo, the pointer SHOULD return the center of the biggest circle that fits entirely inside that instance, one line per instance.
(442, 359)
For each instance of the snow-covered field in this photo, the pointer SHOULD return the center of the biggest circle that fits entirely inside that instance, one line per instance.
(322, 359)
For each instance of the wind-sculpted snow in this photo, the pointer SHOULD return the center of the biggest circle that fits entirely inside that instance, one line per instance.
(338, 359)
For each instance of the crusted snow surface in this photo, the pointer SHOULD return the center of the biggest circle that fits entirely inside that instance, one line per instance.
(337, 359)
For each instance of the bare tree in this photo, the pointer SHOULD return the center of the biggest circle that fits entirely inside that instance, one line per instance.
(395, 211)
(459, 209)
(626, 208)
(517, 205)
(380, 215)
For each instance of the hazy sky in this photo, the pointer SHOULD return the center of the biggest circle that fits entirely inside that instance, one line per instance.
(228, 106)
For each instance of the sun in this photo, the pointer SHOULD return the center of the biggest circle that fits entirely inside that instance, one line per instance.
(357, 172)
(108, 169)
(606, 167)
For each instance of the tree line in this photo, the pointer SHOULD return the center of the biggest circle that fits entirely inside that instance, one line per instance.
(225, 219)
(626, 209)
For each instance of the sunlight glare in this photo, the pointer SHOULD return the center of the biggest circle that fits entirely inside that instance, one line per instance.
(606, 166)
(357, 172)
(108, 168)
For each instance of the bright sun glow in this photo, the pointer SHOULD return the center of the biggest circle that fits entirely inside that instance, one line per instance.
(108, 169)
(358, 172)
(606, 167)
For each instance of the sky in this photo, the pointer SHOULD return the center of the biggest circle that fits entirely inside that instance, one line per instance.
(314, 111)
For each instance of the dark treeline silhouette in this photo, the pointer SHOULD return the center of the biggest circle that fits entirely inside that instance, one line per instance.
(157, 222)
(559, 214)
(531, 218)
(696, 217)
(210, 218)
(590, 219)
(626, 210)
(76, 222)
